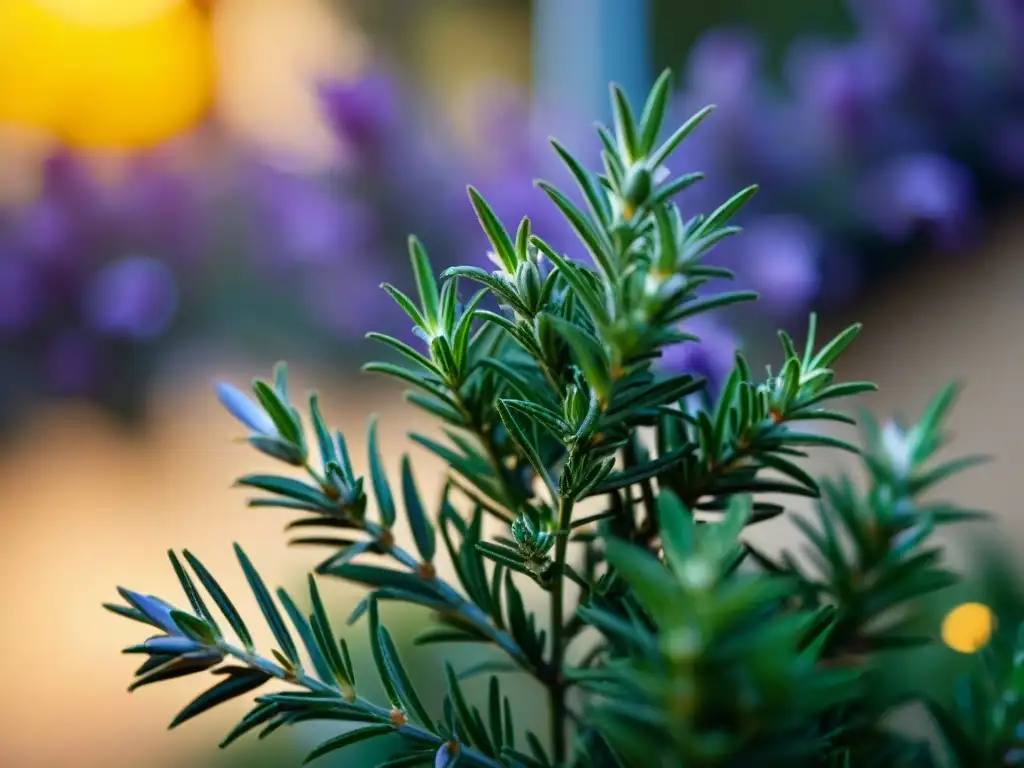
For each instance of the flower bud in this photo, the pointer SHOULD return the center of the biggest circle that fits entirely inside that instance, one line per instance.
(637, 187)
(528, 284)
(441, 352)
(533, 542)
(546, 335)
(575, 406)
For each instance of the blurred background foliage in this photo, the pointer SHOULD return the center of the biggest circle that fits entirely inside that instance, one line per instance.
(879, 131)
(189, 186)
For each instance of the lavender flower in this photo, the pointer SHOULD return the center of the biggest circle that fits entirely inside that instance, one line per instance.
(91, 264)
(779, 258)
(364, 111)
(72, 363)
(921, 192)
(134, 298)
(711, 359)
(19, 294)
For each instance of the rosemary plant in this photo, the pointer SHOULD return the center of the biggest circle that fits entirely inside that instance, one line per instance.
(666, 638)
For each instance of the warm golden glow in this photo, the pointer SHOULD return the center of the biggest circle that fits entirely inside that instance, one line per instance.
(968, 627)
(271, 54)
(108, 13)
(108, 74)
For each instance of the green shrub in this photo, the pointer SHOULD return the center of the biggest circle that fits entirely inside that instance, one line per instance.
(669, 639)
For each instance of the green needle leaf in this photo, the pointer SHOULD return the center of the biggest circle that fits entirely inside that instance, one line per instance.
(347, 739)
(654, 112)
(239, 681)
(496, 232)
(422, 530)
(426, 285)
(379, 654)
(196, 599)
(654, 585)
(302, 626)
(221, 599)
(269, 609)
(381, 487)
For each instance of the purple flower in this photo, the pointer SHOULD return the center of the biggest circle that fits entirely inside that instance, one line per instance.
(69, 214)
(19, 293)
(349, 302)
(1005, 21)
(158, 209)
(1007, 148)
(906, 22)
(724, 69)
(363, 112)
(48, 231)
(778, 258)
(72, 363)
(840, 93)
(299, 219)
(841, 278)
(918, 192)
(134, 298)
(711, 358)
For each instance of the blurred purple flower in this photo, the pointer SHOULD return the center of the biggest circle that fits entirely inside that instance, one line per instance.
(711, 358)
(926, 192)
(842, 278)
(778, 257)
(69, 214)
(72, 363)
(19, 293)
(349, 302)
(1005, 18)
(160, 209)
(300, 219)
(840, 93)
(134, 298)
(1007, 147)
(899, 22)
(724, 69)
(364, 111)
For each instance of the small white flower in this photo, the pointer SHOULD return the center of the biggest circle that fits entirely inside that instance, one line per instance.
(897, 447)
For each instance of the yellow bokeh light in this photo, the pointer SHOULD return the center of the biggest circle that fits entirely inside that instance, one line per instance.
(104, 13)
(103, 79)
(968, 627)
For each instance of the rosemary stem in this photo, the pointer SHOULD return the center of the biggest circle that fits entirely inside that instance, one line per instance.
(559, 736)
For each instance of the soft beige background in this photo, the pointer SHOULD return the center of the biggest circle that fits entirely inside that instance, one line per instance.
(87, 507)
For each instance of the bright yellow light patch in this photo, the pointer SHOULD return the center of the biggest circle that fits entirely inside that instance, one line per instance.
(968, 627)
(108, 13)
(105, 83)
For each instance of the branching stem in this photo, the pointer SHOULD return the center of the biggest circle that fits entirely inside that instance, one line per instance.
(557, 684)
(410, 730)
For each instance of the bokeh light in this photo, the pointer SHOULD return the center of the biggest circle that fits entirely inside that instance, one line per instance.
(105, 74)
(968, 627)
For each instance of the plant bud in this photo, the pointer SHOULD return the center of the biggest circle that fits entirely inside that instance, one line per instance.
(547, 337)
(575, 407)
(441, 352)
(528, 284)
(637, 187)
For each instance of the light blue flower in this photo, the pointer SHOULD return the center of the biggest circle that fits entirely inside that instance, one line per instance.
(243, 408)
(153, 608)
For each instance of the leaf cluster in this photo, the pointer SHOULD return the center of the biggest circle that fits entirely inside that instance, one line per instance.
(669, 638)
